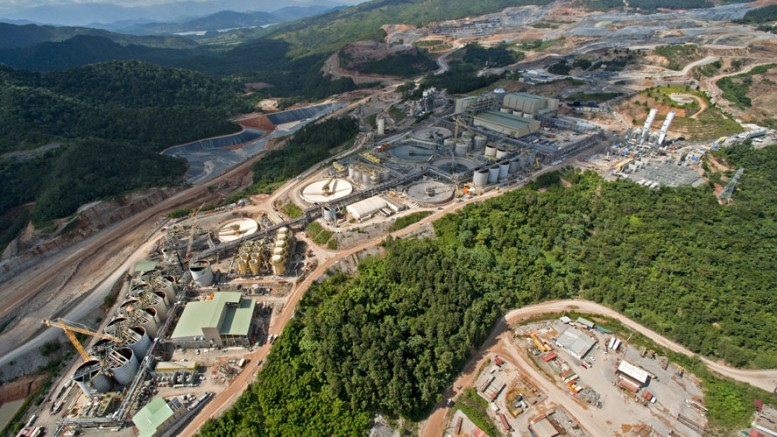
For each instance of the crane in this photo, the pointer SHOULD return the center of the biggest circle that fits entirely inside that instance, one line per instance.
(70, 328)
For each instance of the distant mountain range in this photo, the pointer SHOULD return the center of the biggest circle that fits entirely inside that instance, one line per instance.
(83, 14)
(226, 20)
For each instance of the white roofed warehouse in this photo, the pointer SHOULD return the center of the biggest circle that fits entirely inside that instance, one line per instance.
(576, 342)
(368, 207)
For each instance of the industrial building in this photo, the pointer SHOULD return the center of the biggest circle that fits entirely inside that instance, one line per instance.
(224, 320)
(542, 427)
(634, 374)
(530, 105)
(368, 207)
(157, 416)
(514, 126)
(576, 342)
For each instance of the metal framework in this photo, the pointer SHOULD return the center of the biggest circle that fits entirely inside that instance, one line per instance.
(71, 327)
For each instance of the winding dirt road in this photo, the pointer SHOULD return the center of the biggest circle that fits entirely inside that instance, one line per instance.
(434, 426)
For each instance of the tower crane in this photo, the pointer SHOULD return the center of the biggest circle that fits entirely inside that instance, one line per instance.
(70, 328)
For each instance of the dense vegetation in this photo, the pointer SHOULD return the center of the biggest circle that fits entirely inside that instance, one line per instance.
(766, 14)
(459, 79)
(408, 220)
(112, 120)
(401, 65)
(391, 338)
(498, 56)
(311, 145)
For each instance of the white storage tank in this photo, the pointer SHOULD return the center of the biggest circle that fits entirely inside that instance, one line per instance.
(90, 378)
(123, 365)
(461, 149)
(490, 151)
(480, 178)
(505, 110)
(278, 265)
(493, 174)
(448, 143)
(201, 273)
(480, 141)
(282, 231)
(501, 153)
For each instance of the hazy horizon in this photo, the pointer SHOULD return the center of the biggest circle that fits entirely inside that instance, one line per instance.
(79, 12)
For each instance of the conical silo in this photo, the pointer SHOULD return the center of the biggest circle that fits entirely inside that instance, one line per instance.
(123, 365)
(138, 340)
(91, 380)
(493, 174)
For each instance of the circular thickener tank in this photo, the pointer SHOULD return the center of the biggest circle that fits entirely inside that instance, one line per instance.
(501, 153)
(430, 134)
(430, 192)
(504, 169)
(201, 273)
(490, 151)
(139, 341)
(480, 141)
(236, 229)
(411, 153)
(480, 178)
(123, 365)
(91, 380)
(493, 174)
(463, 165)
(461, 149)
(327, 190)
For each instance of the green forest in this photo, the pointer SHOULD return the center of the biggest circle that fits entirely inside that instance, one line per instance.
(111, 121)
(391, 338)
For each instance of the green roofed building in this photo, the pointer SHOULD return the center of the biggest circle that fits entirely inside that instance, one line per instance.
(157, 416)
(507, 124)
(225, 320)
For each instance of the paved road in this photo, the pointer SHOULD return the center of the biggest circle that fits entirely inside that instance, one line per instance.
(434, 425)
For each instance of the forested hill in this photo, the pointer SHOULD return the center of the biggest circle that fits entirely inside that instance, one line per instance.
(393, 337)
(14, 36)
(112, 121)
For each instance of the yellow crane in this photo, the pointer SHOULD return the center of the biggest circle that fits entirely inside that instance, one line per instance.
(70, 328)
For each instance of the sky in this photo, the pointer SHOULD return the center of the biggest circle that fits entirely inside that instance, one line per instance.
(14, 5)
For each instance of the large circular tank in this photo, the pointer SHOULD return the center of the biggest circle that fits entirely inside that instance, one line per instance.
(505, 110)
(123, 365)
(163, 296)
(236, 229)
(201, 273)
(282, 231)
(257, 256)
(242, 266)
(504, 169)
(493, 174)
(153, 314)
(448, 143)
(411, 153)
(159, 305)
(281, 243)
(430, 134)
(480, 178)
(430, 192)
(90, 378)
(501, 153)
(463, 165)
(279, 251)
(490, 151)
(461, 149)
(139, 341)
(480, 141)
(327, 190)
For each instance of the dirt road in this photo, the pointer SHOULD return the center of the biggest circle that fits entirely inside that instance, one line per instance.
(434, 426)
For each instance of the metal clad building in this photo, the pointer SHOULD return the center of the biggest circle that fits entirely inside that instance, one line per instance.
(576, 342)
(507, 124)
(223, 321)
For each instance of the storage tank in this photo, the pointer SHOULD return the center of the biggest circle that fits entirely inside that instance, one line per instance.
(480, 178)
(515, 165)
(351, 172)
(159, 305)
(253, 266)
(480, 141)
(490, 151)
(448, 143)
(167, 284)
(501, 153)
(330, 214)
(524, 158)
(257, 256)
(504, 169)
(242, 267)
(163, 296)
(357, 176)
(128, 306)
(123, 365)
(282, 231)
(279, 251)
(147, 321)
(365, 179)
(381, 126)
(493, 174)
(518, 113)
(139, 341)
(278, 265)
(90, 378)
(505, 110)
(201, 273)
(281, 244)
(461, 149)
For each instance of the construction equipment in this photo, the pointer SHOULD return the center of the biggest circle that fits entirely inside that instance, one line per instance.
(70, 328)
